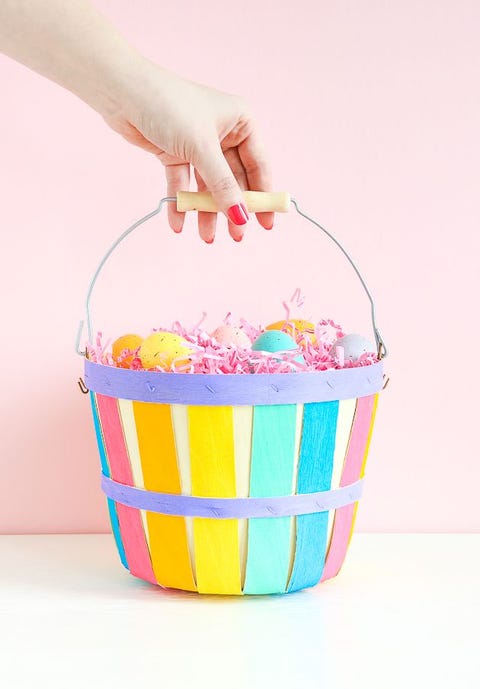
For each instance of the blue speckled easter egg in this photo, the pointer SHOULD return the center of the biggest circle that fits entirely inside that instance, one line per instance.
(275, 341)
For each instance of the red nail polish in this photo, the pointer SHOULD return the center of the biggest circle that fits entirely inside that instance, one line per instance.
(208, 241)
(238, 214)
(269, 228)
(237, 239)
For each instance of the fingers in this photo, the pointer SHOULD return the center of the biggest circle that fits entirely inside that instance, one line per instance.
(257, 170)
(207, 222)
(220, 181)
(233, 159)
(178, 179)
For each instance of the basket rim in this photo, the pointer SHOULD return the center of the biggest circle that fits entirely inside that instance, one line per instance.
(234, 389)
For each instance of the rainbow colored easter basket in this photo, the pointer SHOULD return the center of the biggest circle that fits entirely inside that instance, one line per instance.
(233, 484)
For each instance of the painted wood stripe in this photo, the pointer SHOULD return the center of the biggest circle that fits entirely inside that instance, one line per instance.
(180, 430)
(314, 474)
(242, 431)
(346, 414)
(293, 521)
(364, 463)
(125, 408)
(212, 460)
(130, 521)
(272, 465)
(112, 510)
(168, 536)
(357, 449)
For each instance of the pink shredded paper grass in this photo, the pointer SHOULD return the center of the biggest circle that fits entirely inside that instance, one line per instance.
(209, 356)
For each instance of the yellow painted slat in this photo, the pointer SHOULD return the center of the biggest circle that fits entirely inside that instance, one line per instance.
(168, 537)
(212, 462)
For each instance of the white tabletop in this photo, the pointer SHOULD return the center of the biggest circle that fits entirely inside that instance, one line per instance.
(404, 613)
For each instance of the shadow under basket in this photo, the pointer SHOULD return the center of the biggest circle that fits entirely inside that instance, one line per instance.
(233, 484)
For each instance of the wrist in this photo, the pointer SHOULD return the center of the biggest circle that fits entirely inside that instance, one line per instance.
(111, 85)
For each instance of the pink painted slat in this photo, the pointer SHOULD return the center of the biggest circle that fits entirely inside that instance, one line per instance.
(131, 528)
(351, 472)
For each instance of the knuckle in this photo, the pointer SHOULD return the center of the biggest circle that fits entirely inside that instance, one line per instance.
(226, 183)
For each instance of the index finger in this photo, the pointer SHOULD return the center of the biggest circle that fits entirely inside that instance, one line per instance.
(178, 179)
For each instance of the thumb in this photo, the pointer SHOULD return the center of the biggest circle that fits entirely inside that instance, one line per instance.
(220, 181)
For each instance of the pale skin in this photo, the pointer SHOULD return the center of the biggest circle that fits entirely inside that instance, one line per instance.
(187, 125)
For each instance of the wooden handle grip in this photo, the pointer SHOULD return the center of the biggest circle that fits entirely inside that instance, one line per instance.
(255, 201)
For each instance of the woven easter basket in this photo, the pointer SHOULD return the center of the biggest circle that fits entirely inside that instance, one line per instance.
(233, 484)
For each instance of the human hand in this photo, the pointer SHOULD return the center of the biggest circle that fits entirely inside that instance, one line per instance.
(184, 123)
(181, 122)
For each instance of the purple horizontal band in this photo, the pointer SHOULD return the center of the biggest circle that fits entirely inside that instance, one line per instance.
(230, 389)
(231, 508)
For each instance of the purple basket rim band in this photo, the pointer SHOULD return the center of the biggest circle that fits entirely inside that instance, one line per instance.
(231, 508)
(234, 390)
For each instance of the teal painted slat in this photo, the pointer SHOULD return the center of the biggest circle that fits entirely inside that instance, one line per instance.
(272, 466)
(112, 511)
(314, 474)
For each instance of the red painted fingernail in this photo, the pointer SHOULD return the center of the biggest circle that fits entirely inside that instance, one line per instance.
(237, 239)
(208, 241)
(238, 214)
(269, 228)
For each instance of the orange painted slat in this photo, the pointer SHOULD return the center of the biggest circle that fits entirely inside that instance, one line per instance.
(168, 537)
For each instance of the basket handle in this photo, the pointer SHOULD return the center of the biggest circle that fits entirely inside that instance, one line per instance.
(257, 202)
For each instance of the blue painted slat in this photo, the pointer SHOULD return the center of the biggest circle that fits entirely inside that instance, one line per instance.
(314, 474)
(106, 470)
(272, 466)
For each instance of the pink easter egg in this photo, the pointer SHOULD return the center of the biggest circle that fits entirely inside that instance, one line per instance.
(232, 336)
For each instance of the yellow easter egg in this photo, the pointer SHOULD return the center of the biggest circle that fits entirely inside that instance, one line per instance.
(130, 342)
(161, 349)
(295, 326)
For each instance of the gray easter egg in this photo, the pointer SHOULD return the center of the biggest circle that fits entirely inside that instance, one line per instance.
(353, 346)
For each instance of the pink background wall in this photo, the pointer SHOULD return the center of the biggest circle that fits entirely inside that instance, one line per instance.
(371, 113)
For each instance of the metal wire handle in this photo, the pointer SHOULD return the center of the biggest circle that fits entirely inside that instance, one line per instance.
(381, 348)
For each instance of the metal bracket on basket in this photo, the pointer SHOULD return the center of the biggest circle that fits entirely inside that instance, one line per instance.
(82, 386)
(381, 347)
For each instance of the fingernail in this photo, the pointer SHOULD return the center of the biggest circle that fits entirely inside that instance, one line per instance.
(238, 214)
(269, 228)
(208, 241)
(237, 239)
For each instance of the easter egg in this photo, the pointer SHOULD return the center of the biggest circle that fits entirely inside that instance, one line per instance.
(353, 346)
(162, 348)
(232, 336)
(130, 342)
(276, 341)
(294, 327)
